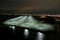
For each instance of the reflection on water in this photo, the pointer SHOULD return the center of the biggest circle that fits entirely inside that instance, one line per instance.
(12, 27)
(40, 36)
(26, 33)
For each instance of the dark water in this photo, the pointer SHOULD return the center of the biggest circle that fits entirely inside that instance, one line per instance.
(18, 34)
(7, 33)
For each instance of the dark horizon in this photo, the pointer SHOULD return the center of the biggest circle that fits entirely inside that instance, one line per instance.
(29, 4)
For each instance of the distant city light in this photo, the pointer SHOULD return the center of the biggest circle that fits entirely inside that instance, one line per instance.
(43, 17)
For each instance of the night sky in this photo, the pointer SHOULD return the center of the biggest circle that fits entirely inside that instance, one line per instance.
(28, 4)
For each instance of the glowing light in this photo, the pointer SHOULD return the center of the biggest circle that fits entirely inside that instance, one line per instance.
(12, 27)
(43, 17)
(29, 22)
(26, 33)
(40, 36)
